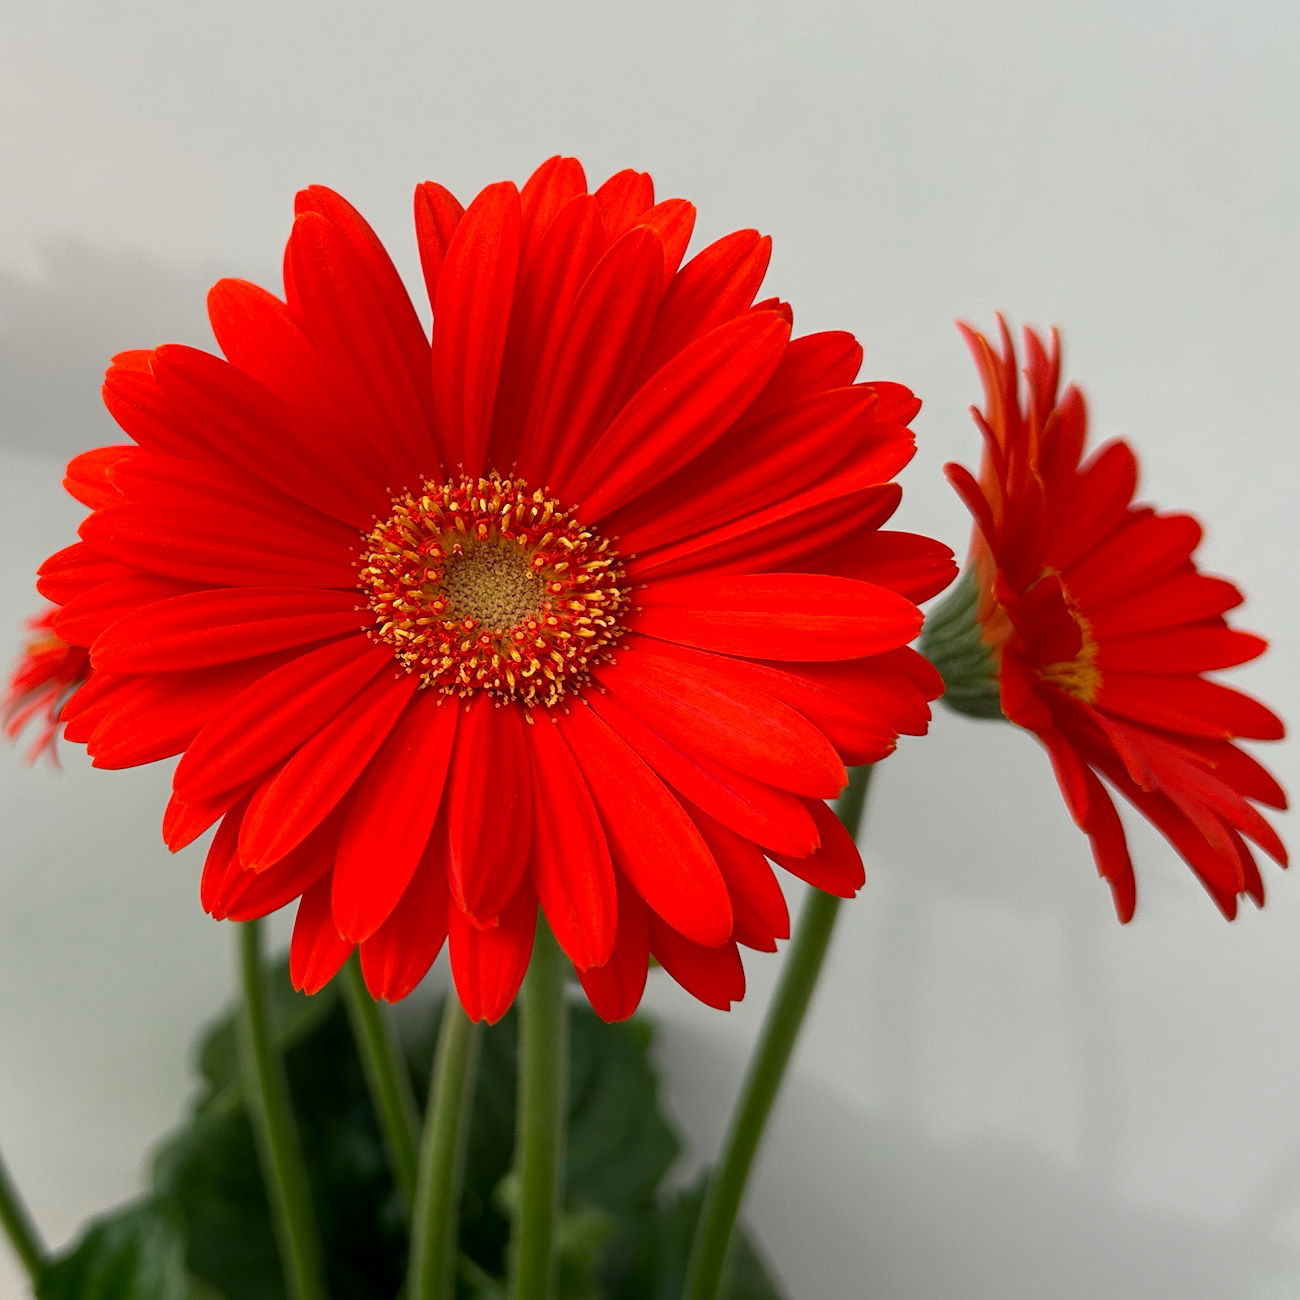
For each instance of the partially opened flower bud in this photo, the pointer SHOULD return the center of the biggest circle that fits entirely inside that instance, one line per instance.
(47, 672)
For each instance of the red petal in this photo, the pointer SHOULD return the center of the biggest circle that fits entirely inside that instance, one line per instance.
(470, 319)
(812, 363)
(343, 286)
(1235, 768)
(293, 802)
(716, 285)
(1110, 848)
(585, 379)
(242, 894)
(859, 705)
(714, 975)
(806, 530)
(216, 627)
(550, 277)
(672, 220)
(87, 616)
(1188, 704)
(437, 214)
(318, 951)
(614, 989)
(392, 817)
(756, 898)
(184, 821)
(76, 569)
(398, 955)
(759, 812)
(489, 808)
(88, 477)
(1135, 558)
(260, 336)
(133, 398)
(779, 616)
(1181, 599)
(154, 717)
(705, 710)
(682, 409)
(221, 866)
(224, 416)
(92, 697)
(1098, 502)
(223, 547)
(1180, 650)
(652, 839)
(761, 463)
(862, 705)
(544, 194)
(836, 867)
(198, 485)
(623, 197)
(488, 966)
(914, 566)
(572, 869)
(275, 715)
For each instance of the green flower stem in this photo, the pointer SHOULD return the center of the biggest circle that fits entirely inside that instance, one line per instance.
(442, 1158)
(767, 1066)
(539, 1142)
(19, 1228)
(388, 1078)
(278, 1145)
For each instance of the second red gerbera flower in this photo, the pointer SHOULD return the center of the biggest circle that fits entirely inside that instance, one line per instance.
(582, 603)
(1082, 617)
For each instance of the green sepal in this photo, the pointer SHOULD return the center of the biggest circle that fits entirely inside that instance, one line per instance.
(952, 641)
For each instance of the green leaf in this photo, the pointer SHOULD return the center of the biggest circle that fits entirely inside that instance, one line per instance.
(129, 1255)
(208, 1172)
(620, 1145)
(205, 1233)
(294, 1016)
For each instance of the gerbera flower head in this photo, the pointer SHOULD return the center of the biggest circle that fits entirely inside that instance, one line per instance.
(580, 603)
(1083, 617)
(47, 672)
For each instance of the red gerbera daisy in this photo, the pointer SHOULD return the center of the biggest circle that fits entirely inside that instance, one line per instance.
(47, 672)
(1083, 618)
(581, 603)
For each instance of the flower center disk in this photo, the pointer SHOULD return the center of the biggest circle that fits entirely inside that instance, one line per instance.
(482, 584)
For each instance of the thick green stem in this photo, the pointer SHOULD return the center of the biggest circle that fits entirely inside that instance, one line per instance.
(767, 1066)
(19, 1228)
(388, 1077)
(276, 1132)
(539, 1142)
(442, 1158)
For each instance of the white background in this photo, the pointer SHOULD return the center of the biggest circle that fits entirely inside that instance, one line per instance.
(1002, 1093)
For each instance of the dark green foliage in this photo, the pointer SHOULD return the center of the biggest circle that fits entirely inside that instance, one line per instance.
(204, 1232)
(135, 1252)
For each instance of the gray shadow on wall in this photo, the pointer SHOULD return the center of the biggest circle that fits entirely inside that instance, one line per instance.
(898, 1213)
(58, 330)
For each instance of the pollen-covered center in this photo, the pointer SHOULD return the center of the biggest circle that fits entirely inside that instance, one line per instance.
(495, 585)
(482, 584)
